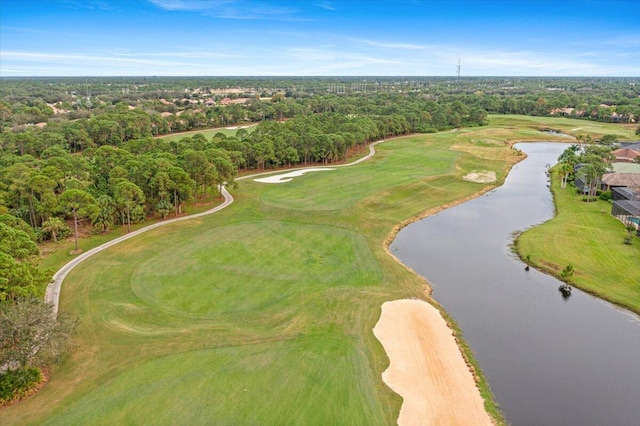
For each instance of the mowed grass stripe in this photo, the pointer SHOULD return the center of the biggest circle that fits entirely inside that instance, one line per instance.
(252, 266)
(244, 384)
(305, 353)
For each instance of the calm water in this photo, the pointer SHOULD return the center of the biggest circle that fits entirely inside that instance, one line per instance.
(549, 360)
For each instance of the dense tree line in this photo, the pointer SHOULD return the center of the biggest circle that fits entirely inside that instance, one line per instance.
(106, 168)
(83, 150)
(79, 152)
(31, 336)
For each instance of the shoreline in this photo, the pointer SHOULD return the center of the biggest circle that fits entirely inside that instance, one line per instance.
(479, 385)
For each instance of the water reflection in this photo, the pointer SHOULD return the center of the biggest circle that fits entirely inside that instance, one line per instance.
(550, 360)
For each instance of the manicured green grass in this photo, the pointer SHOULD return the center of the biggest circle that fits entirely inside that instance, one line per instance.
(276, 294)
(586, 236)
(208, 133)
(568, 126)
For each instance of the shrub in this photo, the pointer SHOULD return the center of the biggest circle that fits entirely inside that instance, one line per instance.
(16, 384)
(605, 195)
(567, 272)
(46, 235)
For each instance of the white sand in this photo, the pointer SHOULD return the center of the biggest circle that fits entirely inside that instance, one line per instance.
(287, 177)
(427, 368)
(482, 176)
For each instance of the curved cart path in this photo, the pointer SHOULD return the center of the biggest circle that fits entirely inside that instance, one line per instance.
(52, 293)
(426, 366)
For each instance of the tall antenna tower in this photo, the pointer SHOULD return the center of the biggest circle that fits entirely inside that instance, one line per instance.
(458, 68)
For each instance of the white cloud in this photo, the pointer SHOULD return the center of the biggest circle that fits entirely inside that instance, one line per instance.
(231, 9)
(325, 5)
(388, 45)
(38, 57)
(190, 5)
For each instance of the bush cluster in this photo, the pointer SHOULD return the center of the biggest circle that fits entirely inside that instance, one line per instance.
(16, 384)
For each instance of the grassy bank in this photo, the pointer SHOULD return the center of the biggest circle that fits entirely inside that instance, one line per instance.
(261, 313)
(586, 236)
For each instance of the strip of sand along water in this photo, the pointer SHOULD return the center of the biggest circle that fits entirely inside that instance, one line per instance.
(427, 368)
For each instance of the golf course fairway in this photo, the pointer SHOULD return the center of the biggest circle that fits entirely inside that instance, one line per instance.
(262, 313)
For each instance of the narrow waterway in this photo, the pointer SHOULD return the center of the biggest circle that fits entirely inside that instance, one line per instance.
(549, 360)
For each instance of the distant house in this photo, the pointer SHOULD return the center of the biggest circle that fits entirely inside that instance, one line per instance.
(581, 184)
(629, 180)
(624, 193)
(627, 211)
(625, 168)
(229, 101)
(626, 205)
(625, 155)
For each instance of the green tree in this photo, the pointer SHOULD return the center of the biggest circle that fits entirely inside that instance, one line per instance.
(566, 169)
(596, 161)
(44, 200)
(54, 226)
(181, 185)
(128, 196)
(19, 275)
(105, 212)
(609, 139)
(31, 335)
(163, 207)
(80, 204)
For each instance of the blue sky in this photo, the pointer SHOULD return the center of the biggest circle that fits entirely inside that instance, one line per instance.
(319, 37)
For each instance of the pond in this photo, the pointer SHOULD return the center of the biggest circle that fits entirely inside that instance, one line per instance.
(549, 360)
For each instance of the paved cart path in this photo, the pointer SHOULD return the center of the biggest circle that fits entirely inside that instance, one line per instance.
(426, 366)
(52, 294)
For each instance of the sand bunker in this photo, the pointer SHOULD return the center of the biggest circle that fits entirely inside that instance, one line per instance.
(427, 368)
(482, 176)
(286, 177)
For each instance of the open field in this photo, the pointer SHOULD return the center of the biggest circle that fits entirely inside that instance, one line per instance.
(208, 133)
(568, 126)
(586, 236)
(263, 312)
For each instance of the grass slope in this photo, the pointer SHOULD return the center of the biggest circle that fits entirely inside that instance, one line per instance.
(586, 236)
(261, 313)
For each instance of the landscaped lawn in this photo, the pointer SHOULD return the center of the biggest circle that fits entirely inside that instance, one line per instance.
(208, 133)
(586, 236)
(263, 312)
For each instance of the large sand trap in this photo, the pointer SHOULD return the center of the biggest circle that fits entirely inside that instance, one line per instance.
(482, 176)
(286, 177)
(427, 368)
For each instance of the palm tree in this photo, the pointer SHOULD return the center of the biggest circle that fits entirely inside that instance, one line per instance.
(81, 204)
(53, 226)
(565, 169)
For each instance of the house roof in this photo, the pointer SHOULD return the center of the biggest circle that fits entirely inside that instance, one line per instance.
(625, 167)
(628, 193)
(631, 180)
(626, 154)
(631, 207)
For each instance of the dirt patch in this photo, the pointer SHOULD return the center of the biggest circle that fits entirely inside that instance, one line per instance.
(427, 368)
(481, 176)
